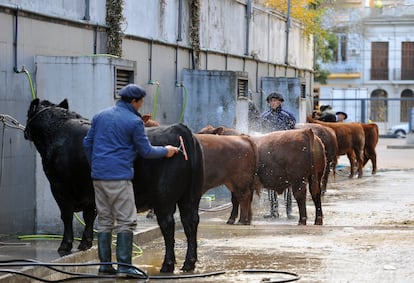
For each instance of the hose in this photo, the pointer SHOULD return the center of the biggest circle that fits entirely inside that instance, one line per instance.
(136, 250)
(184, 101)
(52, 266)
(154, 107)
(145, 277)
(32, 90)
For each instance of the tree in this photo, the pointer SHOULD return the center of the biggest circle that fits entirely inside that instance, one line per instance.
(310, 13)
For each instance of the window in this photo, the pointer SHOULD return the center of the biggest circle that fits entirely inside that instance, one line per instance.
(406, 104)
(379, 61)
(407, 61)
(343, 44)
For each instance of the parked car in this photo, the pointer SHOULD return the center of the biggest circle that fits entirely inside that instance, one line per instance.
(399, 131)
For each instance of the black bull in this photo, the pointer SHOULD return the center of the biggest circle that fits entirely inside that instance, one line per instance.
(161, 184)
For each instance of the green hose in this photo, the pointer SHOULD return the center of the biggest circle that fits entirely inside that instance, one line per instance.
(154, 107)
(30, 81)
(184, 102)
(137, 251)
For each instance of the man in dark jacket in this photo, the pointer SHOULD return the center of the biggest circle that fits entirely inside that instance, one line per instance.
(275, 118)
(116, 136)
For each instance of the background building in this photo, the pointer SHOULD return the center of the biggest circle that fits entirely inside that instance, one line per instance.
(373, 76)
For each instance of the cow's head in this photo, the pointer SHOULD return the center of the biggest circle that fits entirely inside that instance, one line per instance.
(36, 107)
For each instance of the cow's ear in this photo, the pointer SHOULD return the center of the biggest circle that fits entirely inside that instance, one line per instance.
(219, 130)
(34, 105)
(64, 104)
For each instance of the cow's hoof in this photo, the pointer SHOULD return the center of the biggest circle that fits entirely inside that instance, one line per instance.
(65, 249)
(244, 222)
(290, 216)
(85, 245)
(302, 221)
(230, 221)
(188, 266)
(167, 267)
(64, 252)
(318, 220)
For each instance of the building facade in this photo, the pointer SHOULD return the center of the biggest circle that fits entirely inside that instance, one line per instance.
(373, 76)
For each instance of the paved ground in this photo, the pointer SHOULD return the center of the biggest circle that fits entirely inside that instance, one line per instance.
(367, 236)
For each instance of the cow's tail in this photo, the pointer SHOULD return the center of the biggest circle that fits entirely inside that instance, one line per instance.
(257, 184)
(195, 157)
(312, 166)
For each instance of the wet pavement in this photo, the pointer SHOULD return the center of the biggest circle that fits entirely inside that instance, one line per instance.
(367, 236)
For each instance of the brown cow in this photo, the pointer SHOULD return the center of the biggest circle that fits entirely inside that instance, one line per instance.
(289, 159)
(328, 138)
(351, 141)
(371, 141)
(231, 161)
(293, 158)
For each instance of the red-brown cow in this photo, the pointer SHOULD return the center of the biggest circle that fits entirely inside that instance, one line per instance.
(231, 161)
(328, 138)
(371, 141)
(289, 159)
(351, 141)
(293, 158)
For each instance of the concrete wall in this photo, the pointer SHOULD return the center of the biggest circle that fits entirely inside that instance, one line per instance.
(212, 98)
(35, 33)
(87, 82)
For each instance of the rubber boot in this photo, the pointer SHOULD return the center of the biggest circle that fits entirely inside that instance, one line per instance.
(124, 255)
(274, 205)
(105, 253)
(288, 203)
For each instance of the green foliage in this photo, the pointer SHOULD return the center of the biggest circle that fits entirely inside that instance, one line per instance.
(310, 13)
(114, 20)
(320, 75)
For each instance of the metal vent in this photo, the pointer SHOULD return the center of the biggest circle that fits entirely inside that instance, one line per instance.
(123, 77)
(242, 87)
(303, 90)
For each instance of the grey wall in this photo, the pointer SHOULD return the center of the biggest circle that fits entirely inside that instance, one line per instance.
(88, 84)
(212, 98)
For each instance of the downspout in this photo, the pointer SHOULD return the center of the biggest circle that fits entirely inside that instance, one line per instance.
(87, 16)
(287, 34)
(248, 18)
(15, 38)
(180, 19)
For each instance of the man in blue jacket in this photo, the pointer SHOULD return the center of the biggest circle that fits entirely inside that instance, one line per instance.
(115, 138)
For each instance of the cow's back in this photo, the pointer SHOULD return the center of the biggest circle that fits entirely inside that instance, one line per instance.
(284, 157)
(168, 180)
(229, 160)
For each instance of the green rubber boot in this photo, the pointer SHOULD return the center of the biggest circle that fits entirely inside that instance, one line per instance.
(105, 253)
(124, 255)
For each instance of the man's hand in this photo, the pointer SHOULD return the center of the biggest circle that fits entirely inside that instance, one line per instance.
(172, 150)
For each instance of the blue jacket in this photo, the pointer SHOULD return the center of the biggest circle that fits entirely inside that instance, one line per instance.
(277, 120)
(116, 136)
